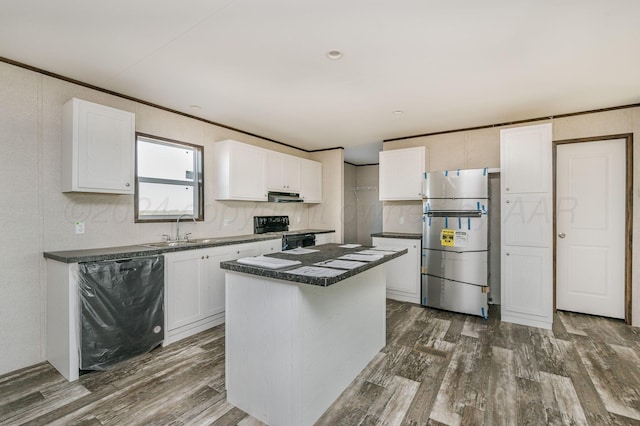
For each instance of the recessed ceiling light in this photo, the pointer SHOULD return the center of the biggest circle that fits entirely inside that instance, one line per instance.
(334, 54)
(398, 112)
(196, 107)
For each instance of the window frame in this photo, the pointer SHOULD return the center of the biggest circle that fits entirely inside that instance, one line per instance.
(198, 183)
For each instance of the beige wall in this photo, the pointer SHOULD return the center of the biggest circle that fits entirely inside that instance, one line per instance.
(37, 217)
(329, 214)
(362, 206)
(369, 204)
(350, 204)
(481, 148)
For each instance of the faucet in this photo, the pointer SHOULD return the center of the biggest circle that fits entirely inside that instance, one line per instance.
(186, 236)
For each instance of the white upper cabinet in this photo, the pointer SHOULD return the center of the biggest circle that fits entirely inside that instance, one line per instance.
(98, 148)
(241, 171)
(526, 152)
(310, 181)
(283, 172)
(402, 174)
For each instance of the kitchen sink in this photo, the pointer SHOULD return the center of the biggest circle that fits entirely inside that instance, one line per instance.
(165, 244)
(205, 241)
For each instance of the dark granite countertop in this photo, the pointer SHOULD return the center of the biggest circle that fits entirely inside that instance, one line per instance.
(408, 236)
(325, 252)
(122, 252)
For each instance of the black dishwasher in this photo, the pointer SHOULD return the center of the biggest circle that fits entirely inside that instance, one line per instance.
(121, 309)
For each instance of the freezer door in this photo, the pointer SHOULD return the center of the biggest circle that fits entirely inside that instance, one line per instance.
(471, 183)
(455, 233)
(441, 293)
(466, 267)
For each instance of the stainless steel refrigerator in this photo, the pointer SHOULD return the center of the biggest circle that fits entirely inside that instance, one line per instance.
(455, 241)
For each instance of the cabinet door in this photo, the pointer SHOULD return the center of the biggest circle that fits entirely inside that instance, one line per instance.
(402, 174)
(98, 149)
(283, 172)
(245, 250)
(185, 286)
(403, 273)
(241, 171)
(213, 294)
(527, 292)
(270, 246)
(325, 238)
(310, 181)
(525, 159)
(247, 173)
(526, 220)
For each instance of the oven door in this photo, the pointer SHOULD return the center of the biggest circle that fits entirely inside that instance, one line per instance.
(298, 240)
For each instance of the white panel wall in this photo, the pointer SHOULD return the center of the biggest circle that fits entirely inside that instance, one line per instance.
(21, 303)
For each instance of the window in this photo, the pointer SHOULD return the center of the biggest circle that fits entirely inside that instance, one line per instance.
(169, 181)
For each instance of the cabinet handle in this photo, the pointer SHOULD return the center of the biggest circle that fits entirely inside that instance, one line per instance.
(202, 258)
(506, 189)
(127, 184)
(508, 201)
(506, 254)
(207, 256)
(562, 235)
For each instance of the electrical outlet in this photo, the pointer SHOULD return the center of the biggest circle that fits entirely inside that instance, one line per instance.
(79, 227)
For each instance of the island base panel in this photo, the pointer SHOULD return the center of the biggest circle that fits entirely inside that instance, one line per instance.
(291, 349)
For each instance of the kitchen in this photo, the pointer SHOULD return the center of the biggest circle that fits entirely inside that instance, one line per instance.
(37, 217)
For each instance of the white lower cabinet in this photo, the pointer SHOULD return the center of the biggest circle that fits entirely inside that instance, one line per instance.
(403, 273)
(528, 297)
(194, 286)
(325, 238)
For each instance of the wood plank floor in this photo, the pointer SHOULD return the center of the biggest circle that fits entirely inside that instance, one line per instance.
(438, 368)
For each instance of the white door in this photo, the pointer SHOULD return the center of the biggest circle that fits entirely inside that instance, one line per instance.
(590, 225)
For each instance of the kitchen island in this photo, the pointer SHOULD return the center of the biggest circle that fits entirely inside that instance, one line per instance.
(295, 342)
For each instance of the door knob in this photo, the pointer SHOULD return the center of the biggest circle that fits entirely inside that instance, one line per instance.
(561, 235)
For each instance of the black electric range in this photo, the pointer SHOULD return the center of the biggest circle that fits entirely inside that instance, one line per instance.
(265, 224)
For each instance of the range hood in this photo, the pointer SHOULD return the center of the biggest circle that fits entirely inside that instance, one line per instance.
(284, 197)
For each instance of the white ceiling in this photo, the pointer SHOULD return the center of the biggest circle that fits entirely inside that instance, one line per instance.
(261, 66)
